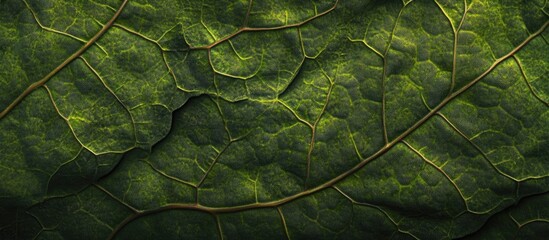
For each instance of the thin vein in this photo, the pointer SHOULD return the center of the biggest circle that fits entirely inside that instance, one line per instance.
(355, 146)
(446, 15)
(219, 229)
(285, 87)
(353, 201)
(454, 127)
(50, 95)
(169, 176)
(441, 171)
(129, 30)
(528, 83)
(302, 44)
(368, 46)
(295, 113)
(315, 124)
(247, 18)
(284, 224)
(35, 16)
(456, 41)
(58, 31)
(252, 29)
(260, 65)
(384, 79)
(101, 188)
(109, 89)
(59, 167)
(538, 220)
(213, 164)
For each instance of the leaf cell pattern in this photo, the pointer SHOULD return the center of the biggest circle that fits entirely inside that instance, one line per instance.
(321, 119)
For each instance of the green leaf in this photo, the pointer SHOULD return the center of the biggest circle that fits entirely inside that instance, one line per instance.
(336, 119)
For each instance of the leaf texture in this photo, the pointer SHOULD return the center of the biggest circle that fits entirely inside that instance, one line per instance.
(321, 119)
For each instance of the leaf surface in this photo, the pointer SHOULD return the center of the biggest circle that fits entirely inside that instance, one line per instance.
(342, 119)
